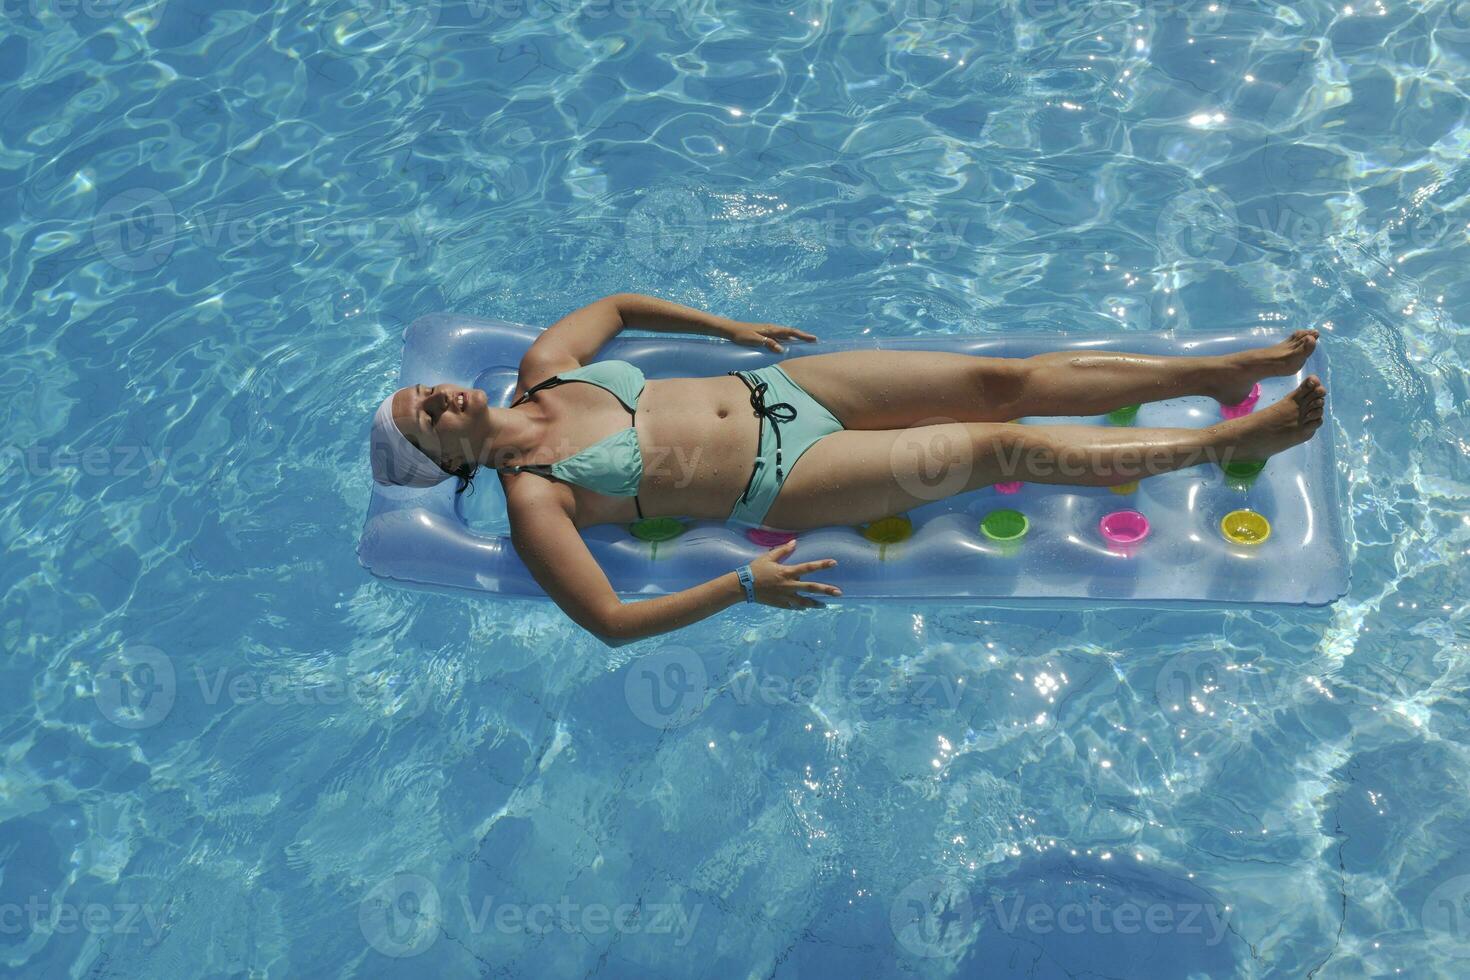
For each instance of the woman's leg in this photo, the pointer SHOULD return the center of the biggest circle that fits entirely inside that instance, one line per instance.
(898, 389)
(856, 476)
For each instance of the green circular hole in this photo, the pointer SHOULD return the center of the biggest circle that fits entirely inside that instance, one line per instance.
(657, 529)
(1124, 415)
(1005, 525)
(1244, 469)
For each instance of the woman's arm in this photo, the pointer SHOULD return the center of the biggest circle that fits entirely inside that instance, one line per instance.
(579, 335)
(548, 542)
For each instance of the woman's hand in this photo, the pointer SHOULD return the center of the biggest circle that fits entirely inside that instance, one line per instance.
(767, 335)
(781, 585)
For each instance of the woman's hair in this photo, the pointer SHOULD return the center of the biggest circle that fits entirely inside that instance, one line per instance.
(466, 474)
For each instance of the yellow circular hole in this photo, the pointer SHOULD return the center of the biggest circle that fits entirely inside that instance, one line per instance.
(1245, 527)
(889, 530)
(1123, 489)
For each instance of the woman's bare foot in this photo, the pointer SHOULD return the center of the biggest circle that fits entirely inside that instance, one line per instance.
(1291, 421)
(1238, 372)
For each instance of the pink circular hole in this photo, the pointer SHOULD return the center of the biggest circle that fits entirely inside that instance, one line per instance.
(1124, 527)
(1009, 487)
(768, 539)
(1242, 408)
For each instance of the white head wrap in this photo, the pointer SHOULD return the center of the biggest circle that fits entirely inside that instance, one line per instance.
(396, 461)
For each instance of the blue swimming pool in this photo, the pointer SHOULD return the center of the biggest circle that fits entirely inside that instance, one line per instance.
(231, 752)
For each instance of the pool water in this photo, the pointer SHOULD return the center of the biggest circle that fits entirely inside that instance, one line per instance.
(228, 751)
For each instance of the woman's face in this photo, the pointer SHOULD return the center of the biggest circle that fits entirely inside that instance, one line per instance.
(449, 424)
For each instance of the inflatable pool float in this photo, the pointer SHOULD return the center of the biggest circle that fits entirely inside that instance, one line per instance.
(1031, 544)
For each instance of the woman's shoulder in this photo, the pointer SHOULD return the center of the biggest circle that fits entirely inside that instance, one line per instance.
(526, 493)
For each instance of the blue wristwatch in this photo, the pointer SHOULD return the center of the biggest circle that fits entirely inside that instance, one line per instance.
(747, 582)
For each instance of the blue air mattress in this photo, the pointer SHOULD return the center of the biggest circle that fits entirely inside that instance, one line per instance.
(1212, 537)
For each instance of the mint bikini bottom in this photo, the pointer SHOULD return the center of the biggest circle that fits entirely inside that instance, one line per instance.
(791, 422)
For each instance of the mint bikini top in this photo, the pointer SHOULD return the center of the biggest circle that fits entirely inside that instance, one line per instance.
(613, 465)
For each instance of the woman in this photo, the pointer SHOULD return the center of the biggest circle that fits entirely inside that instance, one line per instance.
(841, 438)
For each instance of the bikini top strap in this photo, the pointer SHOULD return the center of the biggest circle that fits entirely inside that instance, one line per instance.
(550, 382)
